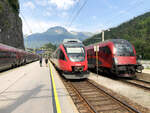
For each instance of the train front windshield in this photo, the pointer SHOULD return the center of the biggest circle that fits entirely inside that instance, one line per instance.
(123, 49)
(75, 54)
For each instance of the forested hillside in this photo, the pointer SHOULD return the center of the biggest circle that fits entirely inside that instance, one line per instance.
(137, 31)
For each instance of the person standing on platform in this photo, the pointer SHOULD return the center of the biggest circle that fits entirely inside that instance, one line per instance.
(41, 61)
(46, 61)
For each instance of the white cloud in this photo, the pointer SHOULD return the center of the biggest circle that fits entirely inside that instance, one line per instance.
(63, 14)
(41, 2)
(47, 13)
(135, 2)
(29, 5)
(63, 4)
(37, 26)
(123, 12)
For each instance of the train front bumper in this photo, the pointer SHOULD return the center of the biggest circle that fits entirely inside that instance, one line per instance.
(76, 75)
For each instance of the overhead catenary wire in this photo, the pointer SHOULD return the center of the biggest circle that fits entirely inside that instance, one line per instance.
(72, 13)
(30, 30)
(78, 12)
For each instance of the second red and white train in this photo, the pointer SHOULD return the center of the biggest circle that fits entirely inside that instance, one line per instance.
(116, 56)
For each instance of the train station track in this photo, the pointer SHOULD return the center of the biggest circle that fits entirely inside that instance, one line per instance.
(90, 98)
(138, 83)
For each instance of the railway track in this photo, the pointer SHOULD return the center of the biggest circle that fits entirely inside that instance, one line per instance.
(138, 83)
(90, 98)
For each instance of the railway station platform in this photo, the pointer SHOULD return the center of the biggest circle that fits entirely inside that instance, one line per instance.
(28, 89)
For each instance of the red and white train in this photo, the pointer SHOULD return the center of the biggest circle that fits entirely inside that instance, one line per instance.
(71, 59)
(115, 56)
(13, 57)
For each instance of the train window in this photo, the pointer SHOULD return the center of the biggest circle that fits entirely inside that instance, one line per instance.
(75, 50)
(107, 50)
(13, 55)
(61, 55)
(124, 49)
(4, 54)
(57, 54)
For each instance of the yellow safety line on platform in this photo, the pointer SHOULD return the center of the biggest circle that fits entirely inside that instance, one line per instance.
(55, 93)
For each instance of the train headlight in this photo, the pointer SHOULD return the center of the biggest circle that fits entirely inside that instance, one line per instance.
(114, 51)
(116, 60)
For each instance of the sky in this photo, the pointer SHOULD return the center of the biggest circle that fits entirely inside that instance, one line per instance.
(78, 15)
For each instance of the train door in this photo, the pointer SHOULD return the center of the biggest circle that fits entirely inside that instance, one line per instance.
(57, 57)
(107, 56)
(90, 58)
(62, 60)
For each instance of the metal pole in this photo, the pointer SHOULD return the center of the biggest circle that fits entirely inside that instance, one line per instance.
(97, 59)
(102, 35)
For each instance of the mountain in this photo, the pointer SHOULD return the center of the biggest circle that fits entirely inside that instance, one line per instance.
(55, 35)
(136, 30)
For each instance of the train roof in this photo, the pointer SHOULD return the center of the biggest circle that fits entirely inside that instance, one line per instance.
(109, 41)
(10, 48)
(72, 42)
(118, 41)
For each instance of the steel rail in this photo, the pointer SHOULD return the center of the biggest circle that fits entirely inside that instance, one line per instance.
(136, 84)
(88, 106)
(92, 108)
(121, 102)
(142, 81)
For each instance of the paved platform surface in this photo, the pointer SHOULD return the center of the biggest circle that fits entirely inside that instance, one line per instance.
(146, 71)
(27, 89)
(66, 103)
(137, 95)
(145, 75)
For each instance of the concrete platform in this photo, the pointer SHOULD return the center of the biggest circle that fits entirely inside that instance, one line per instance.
(28, 89)
(66, 103)
(146, 71)
(137, 95)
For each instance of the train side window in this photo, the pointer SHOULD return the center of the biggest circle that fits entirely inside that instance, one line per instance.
(61, 55)
(3, 54)
(57, 54)
(108, 50)
(100, 49)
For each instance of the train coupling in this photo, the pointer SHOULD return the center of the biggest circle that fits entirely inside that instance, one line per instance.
(77, 68)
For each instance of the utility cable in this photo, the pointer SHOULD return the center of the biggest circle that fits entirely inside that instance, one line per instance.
(73, 12)
(78, 12)
(26, 23)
